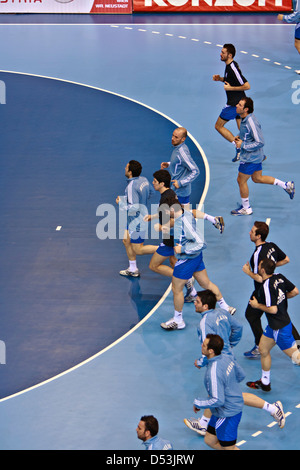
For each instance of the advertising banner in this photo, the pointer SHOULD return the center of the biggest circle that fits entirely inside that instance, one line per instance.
(66, 6)
(168, 6)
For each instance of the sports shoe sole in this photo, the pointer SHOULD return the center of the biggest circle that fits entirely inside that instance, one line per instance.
(201, 431)
(173, 326)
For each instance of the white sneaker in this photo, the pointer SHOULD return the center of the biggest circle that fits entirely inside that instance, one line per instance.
(279, 414)
(298, 72)
(126, 272)
(231, 310)
(173, 325)
(242, 211)
(194, 425)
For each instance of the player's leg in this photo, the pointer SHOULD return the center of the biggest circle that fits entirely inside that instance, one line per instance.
(203, 280)
(176, 322)
(156, 265)
(242, 180)
(220, 127)
(287, 186)
(132, 270)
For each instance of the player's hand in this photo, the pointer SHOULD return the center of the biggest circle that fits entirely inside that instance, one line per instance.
(280, 17)
(217, 78)
(253, 302)
(164, 165)
(177, 248)
(175, 183)
(118, 200)
(147, 218)
(246, 268)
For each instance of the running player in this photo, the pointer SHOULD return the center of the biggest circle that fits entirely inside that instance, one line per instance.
(235, 85)
(220, 322)
(161, 183)
(182, 167)
(188, 247)
(135, 201)
(273, 300)
(263, 249)
(251, 143)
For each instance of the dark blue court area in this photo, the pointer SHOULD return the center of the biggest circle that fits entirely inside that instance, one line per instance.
(64, 151)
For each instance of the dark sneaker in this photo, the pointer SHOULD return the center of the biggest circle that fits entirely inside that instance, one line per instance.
(237, 155)
(253, 353)
(258, 385)
(290, 189)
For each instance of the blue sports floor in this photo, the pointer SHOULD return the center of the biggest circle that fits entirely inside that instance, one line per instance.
(81, 96)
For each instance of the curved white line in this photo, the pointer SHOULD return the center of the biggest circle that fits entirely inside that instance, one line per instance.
(169, 288)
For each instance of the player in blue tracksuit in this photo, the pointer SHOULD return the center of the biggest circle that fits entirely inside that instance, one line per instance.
(219, 322)
(225, 398)
(182, 167)
(251, 142)
(188, 246)
(294, 18)
(135, 202)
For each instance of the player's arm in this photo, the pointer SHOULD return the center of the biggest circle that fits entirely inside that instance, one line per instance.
(247, 270)
(283, 261)
(244, 87)
(255, 304)
(292, 293)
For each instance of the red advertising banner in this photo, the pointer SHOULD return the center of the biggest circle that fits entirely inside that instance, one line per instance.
(211, 5)
(65, 6)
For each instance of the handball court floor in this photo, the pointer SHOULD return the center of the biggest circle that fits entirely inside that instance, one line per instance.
(85, 356)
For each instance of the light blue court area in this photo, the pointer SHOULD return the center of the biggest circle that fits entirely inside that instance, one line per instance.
(85, 354)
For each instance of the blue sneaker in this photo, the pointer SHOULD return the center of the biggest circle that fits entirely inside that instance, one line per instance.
(242, 211)
(290, 189)
(237, 155)
(253, 353)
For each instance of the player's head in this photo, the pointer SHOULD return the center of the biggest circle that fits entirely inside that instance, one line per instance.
(179, 135)
(134, 167)
(268, 265)
(261, 229)
(212, 343)
(147, 427)
(228, 52)
(205, 300)
(162, 176)
(248, 104)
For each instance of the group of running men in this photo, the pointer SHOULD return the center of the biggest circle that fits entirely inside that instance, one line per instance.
(183, 244)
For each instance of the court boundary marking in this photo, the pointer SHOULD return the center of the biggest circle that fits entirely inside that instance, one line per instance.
(162, 299)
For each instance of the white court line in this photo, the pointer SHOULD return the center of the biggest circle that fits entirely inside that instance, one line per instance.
(207, 180)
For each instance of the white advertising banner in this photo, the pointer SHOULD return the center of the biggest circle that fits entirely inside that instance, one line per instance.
(65, 6)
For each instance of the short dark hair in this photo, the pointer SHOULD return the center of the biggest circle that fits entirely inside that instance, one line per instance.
(230, 49)
(135, 168)
(207, 297)
(163, 176)
(151, 424)
(262, 229)
(248, 104)
(268, 265)
(215, 343)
